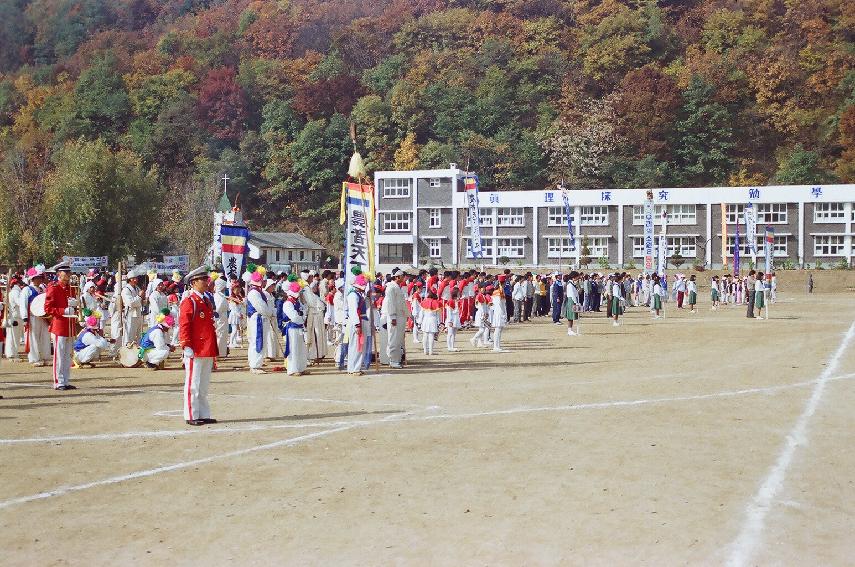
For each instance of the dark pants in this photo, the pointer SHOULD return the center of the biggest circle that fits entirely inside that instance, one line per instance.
(556, 311)
(680, 295)
(750, 312)
(529, 302)
(509, 303)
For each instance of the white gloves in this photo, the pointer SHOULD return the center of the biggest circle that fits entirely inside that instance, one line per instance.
(188, 352)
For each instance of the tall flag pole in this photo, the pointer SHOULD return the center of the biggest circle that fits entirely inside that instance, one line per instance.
(565, 196)
(648, 233)
(663, 244)
(736, 252)
(476, 246)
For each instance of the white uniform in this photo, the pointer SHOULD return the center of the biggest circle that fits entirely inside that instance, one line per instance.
(357, 327)
(340, 321)
(156, 302)
(39, 336)
(498, 320)
(271, 330)
(394, 308)
(161, 350)
(221, 322)
(257, 348)
(94, 343)
(15, 328)
(314, 310)
(296, 356)
(132, 304)
(235, 320)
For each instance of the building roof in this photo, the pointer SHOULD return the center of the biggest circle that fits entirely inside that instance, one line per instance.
(223, 205)
(289, 240)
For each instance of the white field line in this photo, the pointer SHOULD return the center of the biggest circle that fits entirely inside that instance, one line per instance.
(742, 549)
(403, 417)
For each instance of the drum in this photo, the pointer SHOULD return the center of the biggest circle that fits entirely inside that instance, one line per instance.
(37, 306)
(129, 356)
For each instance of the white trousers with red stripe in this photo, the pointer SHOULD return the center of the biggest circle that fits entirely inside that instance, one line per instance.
(197, 377)
(62, 349)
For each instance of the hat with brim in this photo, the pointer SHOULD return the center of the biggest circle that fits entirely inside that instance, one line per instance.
(61, 267)
(198, 274)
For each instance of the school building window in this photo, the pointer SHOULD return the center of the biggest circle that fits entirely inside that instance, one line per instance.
(511, 247)
(734, 214)
(595, 216)
(829, 212)
(677, 214)
(485, 216)
(772, 213)
(396, 222)
(435, 182)
(598, 245)
(486, 248)
(556, 217)
(828, 245)
(434, 247)
(396, 253)
(302, 254)
(559, 247)
(396, 188)
(435, 219)
(779, 246)
(510, 216)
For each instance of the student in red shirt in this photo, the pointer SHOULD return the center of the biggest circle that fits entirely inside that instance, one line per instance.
(199, 343)
(59, 304)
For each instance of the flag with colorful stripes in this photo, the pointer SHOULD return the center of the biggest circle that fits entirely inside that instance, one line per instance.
(234, 241)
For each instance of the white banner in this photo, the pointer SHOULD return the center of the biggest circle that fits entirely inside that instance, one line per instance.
(180, 263)
(86, 262)
(474, 216)
(663, 244)
(648, 234)
(358, 203)
(751, 229)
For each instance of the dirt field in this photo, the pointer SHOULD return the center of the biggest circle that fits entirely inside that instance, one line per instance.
(701, 439)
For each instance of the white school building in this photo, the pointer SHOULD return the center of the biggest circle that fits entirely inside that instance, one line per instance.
(422, 219)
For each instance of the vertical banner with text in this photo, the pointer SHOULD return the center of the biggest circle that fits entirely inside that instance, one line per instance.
(648, 233)
(751, 229)
(569, 214)
(234, 242)
(473, 216)
(723, 236)
(663, 243)
(358, 216)
(768, 245)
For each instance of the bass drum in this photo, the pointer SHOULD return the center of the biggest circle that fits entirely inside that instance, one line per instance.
(129, 356)
(37, 306)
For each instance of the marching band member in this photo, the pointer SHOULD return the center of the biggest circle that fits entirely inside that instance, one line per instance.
(340, 321)
(315, 312)
(499, 318)
(258, 310)
(90, 344)
(379, 326)
(221, 316)
(60, 305)
(294, 319)
(132, 306)
(416, 312)
(14, 323)
(157, 301)
(394, 313)
(37, 338)
(199, 346)
(154, 348)
(357, 325)
(452, 320)
(174, 310)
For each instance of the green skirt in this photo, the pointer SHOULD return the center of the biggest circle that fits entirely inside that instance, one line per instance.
(657, 301)
(569, 313)
(758, 300)
(616, 310)
(693, 298)
(714, 295)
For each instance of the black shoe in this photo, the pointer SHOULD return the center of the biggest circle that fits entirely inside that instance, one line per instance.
(150, 365)
(66, 387)
(209, 420)
(195, 422)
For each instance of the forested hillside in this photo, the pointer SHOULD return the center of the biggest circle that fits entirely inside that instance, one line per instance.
(118, 117)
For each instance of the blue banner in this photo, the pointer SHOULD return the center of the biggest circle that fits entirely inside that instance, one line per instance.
(234, 240)
(569, 214)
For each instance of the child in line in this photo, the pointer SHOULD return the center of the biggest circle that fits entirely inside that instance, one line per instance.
(452, 320)
(714, 293)
(692, 287)
(430, 321)
(657, 296)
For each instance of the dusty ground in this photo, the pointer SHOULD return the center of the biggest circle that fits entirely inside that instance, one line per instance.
(702, 439)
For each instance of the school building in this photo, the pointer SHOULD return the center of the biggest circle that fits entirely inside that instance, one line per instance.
(422, 219)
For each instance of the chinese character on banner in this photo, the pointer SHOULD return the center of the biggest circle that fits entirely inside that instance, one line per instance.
(663, 195)
(816, 192)
(606, 196)
(232, 268)
(549, 197)
(494, 198)
(754, 193)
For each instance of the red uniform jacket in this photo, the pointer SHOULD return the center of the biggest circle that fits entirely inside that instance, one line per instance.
(56, 303)
(196, 326)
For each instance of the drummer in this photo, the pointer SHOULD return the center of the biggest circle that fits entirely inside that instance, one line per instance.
(37, 338)
(60, 304)
(90, 343)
